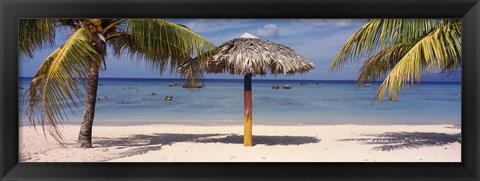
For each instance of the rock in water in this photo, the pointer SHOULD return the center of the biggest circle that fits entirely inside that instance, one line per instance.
(393, 98)
(196, 85)
(174, 85)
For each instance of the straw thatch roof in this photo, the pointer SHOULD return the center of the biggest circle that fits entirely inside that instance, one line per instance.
(249, 54)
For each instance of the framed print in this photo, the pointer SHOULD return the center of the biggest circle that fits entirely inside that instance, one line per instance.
(344, 90)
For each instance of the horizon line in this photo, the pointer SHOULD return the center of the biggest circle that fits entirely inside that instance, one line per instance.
(453, 81)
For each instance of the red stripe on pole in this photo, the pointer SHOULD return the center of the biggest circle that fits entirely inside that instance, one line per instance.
(248, 102)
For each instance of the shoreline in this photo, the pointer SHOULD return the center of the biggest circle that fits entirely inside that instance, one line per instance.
(272, 143)
(146, 122)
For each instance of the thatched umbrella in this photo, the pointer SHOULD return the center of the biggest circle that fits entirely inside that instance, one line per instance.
(249, 56)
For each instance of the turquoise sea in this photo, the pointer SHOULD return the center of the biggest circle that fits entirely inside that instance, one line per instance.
(221, 102)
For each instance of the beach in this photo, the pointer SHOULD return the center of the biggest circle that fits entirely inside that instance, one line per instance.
(224, 143)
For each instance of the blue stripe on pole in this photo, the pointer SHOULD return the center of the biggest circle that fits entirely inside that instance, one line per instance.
(248, 82)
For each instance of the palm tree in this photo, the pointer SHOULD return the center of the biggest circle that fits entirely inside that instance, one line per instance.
(55, 86)
(401, 50)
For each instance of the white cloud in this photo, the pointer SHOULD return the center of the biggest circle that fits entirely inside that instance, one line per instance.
(326, 46)
(321, 50)
(212, 25)
(270, 30)
(222, 38)
(205, 25)
(301, 26)
(337, 23)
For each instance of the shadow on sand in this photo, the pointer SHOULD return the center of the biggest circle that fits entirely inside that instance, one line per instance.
(146, 143)
(407, 140)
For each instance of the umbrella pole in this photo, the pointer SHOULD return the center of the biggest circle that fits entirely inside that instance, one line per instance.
(247, 131)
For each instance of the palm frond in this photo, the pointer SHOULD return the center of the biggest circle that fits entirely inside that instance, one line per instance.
(33, 33)
(379, 64)
(436, 51)
(54, 85)
(378, 34)
(160, 42)
(193, 70)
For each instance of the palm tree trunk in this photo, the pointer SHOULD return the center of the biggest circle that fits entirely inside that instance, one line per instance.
(85, 136)
(247, 130)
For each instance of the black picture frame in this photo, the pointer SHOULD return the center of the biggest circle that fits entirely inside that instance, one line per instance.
(12, 10)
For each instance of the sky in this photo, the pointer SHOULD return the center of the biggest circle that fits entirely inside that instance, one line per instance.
(318, 40)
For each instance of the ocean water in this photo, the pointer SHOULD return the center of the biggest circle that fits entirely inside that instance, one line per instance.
(221, 102)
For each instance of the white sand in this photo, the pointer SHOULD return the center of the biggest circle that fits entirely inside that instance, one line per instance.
(184, 143)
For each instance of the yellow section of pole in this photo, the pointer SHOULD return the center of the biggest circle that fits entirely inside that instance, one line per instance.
(247, 130)
(247, 97)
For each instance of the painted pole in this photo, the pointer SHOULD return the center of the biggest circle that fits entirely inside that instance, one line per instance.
(247, 131)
